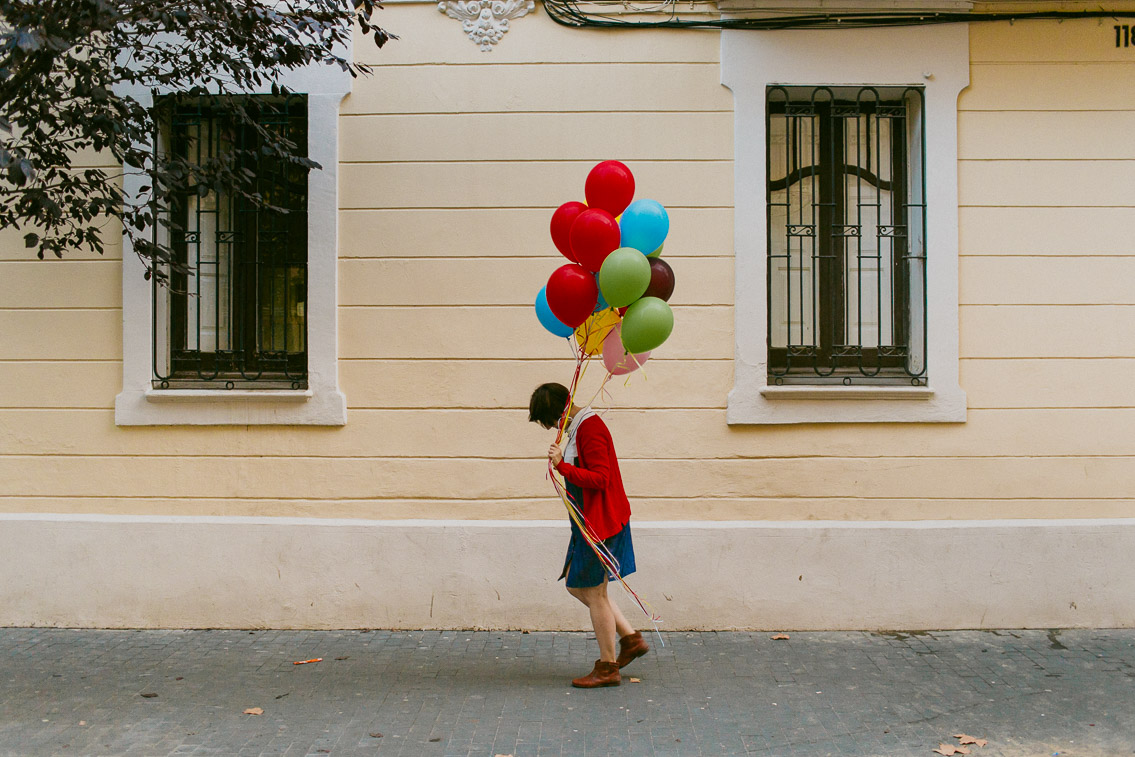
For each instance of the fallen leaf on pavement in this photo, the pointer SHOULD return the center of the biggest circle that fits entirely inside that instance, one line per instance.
(253, 711)
(376, 735)
(946, 749)
(150, 694)
(636, 680)
(966, 739)
(780, 636)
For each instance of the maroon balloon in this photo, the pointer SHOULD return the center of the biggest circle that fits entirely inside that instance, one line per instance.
(562, 220)
(661, 280)
(594, 235)
(610, 187)
(572, 294)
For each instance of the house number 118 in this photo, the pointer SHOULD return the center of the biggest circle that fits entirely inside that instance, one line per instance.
(1123, 33)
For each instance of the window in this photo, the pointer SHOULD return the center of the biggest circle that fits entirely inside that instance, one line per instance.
(231, 312)
(846, 276)
(845, 191)
(250, 335)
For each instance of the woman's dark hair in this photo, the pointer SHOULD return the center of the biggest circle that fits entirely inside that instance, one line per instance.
(547, 404)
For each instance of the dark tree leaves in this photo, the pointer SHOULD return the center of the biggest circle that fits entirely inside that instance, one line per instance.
(65, 66)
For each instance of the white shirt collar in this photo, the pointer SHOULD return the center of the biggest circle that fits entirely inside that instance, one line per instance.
(571, 450)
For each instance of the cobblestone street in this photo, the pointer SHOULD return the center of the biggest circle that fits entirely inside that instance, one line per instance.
(67, 692)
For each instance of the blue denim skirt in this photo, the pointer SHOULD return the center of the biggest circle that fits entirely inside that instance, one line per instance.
(582, 567)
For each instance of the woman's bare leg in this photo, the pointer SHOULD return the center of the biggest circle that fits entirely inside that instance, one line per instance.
(622, 627)
(602, 617)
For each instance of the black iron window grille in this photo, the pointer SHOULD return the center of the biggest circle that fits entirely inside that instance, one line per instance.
(846, 273)
(231, 313)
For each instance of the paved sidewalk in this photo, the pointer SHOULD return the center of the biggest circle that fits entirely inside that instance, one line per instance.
(445, 693)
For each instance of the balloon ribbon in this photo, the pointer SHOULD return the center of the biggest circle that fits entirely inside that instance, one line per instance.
(608, 560)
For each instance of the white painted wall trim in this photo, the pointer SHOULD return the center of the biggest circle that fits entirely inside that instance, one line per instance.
(936, 57)
(255, 572)
(464, 523)
(860, 392)
(139, 404)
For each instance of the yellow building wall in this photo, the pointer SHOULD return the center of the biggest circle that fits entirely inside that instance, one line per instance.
(453, 160)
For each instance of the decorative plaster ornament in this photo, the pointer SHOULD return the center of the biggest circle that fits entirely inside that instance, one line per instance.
(485, 21)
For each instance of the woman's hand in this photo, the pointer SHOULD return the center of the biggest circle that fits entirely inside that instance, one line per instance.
(555, 454)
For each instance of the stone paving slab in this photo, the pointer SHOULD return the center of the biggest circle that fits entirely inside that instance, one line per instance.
(481, 694)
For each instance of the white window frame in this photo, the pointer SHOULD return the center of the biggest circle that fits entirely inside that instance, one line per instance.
(934, 57)
(322, 403)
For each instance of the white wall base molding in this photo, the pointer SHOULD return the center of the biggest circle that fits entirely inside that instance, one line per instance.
(236, 572)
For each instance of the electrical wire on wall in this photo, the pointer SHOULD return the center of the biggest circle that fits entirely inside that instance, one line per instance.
(571, 13)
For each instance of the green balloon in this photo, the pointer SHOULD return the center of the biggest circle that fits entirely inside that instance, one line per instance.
(647, 324)
(657, 253)
(624, 276)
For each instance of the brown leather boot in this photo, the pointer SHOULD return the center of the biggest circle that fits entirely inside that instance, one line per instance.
(631, 647)
(603, 674)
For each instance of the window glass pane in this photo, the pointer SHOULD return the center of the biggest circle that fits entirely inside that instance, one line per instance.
(846, 274)
(235, 310)
(792, 272)
(868, 259)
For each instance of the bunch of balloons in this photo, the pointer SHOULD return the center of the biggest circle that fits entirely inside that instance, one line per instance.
(613, 294)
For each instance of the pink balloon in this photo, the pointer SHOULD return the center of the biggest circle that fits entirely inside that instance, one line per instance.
(615, 356)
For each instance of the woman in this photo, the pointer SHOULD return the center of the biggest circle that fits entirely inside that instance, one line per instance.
(590, 468)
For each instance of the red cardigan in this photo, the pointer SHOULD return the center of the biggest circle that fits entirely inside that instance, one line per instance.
(605, 506)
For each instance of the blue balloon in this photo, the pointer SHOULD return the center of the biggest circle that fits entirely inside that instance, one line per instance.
(644, 226)
(547, 319)
(602, 303)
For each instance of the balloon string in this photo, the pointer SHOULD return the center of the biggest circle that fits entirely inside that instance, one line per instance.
(580, 362)
(641, 367)
(601, 390)
(608, 560)
(607, 398)
(575, 513)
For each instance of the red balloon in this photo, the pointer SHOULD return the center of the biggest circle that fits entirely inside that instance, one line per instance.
(610, 187)
(594, 235)
(572, 294)
(562, 220)
(661, 280)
